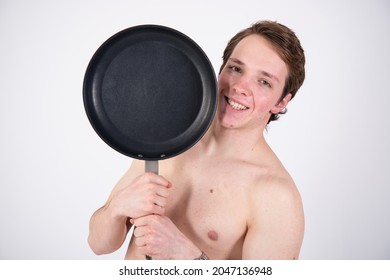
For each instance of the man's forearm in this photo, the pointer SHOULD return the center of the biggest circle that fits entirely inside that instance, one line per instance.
(107, 232)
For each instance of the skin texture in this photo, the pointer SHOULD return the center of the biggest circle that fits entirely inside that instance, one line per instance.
(229, 195)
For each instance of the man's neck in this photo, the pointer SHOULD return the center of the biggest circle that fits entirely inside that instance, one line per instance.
(233, 142)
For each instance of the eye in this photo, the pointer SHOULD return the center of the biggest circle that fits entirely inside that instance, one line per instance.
(265, 83)
(234, 68)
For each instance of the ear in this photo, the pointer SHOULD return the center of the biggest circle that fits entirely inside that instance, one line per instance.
(281, 104)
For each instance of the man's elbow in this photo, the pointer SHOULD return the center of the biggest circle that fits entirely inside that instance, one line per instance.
(97, 249)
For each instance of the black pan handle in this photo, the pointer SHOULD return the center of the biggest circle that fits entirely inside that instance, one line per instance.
(151, 166)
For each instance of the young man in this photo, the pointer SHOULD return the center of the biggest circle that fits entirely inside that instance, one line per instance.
(228, 197)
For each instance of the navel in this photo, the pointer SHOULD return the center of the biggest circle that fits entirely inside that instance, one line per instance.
(213, 235)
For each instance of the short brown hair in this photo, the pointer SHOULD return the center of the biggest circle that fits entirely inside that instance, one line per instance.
(286, 44)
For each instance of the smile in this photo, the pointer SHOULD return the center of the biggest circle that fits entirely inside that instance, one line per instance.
(236, 105)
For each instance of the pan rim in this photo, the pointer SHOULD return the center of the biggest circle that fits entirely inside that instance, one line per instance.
(203, 119)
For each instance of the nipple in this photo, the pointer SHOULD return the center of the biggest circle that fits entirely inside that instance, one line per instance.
(213, 235)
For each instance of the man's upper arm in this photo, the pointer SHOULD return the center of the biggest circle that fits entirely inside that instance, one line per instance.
(276, 226)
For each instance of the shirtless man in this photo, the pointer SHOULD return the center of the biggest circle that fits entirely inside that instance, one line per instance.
(228, 197)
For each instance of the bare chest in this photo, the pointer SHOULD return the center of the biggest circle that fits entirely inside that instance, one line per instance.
(209, 204)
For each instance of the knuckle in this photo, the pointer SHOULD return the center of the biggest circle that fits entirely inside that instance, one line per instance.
(164, 202)
(149, 207)
(147, 176)
(150, 196)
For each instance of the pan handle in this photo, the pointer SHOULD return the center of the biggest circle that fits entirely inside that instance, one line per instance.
(151, 166)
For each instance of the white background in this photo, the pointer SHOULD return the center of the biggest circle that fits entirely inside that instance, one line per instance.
(55, 170)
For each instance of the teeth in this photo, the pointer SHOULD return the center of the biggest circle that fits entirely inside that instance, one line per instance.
(236, 105)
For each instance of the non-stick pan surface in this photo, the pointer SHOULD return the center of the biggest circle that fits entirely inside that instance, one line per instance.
(150, 92)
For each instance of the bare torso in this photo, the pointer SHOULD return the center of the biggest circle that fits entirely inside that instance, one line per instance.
(213, 197)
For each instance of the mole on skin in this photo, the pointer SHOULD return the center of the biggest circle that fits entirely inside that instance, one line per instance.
(213, 235)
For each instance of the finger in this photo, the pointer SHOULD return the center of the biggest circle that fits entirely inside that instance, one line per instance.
(158, 210)
(152, 208)
(139, 232)
(156, 179)
(160, 201)
(163, 191)
(148, 221)
(141, 222)
(140, 241)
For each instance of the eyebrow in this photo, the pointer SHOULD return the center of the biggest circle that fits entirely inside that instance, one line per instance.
(264, 73)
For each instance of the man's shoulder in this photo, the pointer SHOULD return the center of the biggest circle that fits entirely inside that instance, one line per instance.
(271, 182)
(273, 187)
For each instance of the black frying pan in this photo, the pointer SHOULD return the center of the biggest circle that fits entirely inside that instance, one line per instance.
(150, 93)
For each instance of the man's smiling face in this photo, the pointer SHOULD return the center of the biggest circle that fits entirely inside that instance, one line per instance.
(251, 84)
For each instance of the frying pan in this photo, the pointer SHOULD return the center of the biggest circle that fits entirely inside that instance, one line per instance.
(150, 93)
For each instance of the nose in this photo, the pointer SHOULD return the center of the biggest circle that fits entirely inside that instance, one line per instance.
(241, 86)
